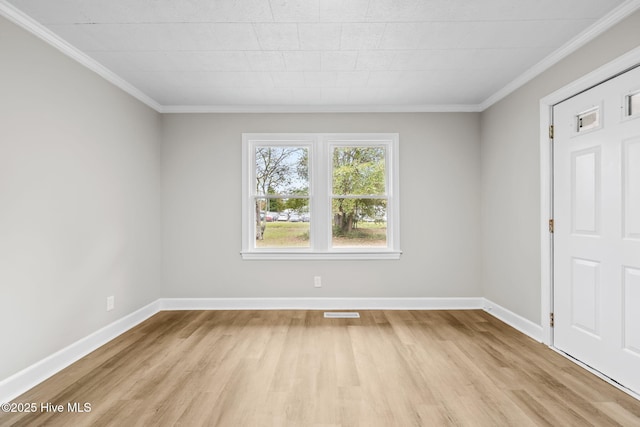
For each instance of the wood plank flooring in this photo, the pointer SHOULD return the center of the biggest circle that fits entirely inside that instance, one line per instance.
(295, 368)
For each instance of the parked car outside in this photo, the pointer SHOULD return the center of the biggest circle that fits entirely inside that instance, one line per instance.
(283, 217)
(294, 218)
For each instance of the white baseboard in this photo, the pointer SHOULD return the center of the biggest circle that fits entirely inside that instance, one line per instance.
(17, 384)
(516, 321)
(22, 381)
(321, 303)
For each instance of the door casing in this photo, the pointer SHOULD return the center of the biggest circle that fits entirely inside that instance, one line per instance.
(607, 71)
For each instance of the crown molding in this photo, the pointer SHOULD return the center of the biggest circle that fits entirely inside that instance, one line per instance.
(453, 108)
(21, 19)
(593, 31)
(612, 18)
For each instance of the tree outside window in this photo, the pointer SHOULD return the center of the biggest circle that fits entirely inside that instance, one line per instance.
(282, 187)
(359, 196)
(320, 196)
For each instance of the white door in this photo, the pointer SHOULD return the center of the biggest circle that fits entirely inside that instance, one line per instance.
(597, 228)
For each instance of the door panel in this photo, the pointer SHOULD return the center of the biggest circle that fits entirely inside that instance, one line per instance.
(597, 229)
(631, 310)
(631, 194)
(585, 291)
(585, 190)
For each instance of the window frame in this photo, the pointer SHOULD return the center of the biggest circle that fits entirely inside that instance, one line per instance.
(320, 195)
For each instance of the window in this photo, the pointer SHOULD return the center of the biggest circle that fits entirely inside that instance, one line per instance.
(633, 104)
(320, 196)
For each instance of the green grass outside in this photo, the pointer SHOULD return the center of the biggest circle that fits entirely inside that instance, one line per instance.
(285, 235)
(296, 234)
(369, 234)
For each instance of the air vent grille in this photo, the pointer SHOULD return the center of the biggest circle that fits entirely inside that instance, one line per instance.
(341, 315)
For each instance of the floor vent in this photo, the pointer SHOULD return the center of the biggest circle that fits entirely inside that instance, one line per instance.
(341, 315)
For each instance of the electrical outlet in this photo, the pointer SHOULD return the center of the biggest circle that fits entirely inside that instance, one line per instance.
(110, 303)
(317, 281)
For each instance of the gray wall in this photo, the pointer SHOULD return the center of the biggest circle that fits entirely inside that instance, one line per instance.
(86, 170)
(511, 174)
(201, 197)
(79, 201)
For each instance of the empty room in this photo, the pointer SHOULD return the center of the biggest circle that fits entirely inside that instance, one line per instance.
(320, 212)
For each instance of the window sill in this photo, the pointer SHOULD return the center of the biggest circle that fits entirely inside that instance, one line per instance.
(305, 256)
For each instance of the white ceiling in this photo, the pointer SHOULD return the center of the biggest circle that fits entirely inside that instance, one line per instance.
(253, 54)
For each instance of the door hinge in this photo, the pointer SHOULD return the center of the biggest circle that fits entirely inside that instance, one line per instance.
(551, 320)
(551, 226)
(551, 132)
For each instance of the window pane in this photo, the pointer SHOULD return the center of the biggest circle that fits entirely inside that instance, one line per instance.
(282, 223)
(359, 171)
(359, 223)
(634, 104)
(282, 170)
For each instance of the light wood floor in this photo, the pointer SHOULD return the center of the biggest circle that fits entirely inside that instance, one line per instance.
(295, 368)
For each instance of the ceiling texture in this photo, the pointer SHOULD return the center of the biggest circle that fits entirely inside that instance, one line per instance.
(321, 55)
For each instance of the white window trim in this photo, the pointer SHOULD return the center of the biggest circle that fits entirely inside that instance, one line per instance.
(319, 196)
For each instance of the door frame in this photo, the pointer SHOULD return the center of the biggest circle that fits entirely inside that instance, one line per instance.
(605, 72)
